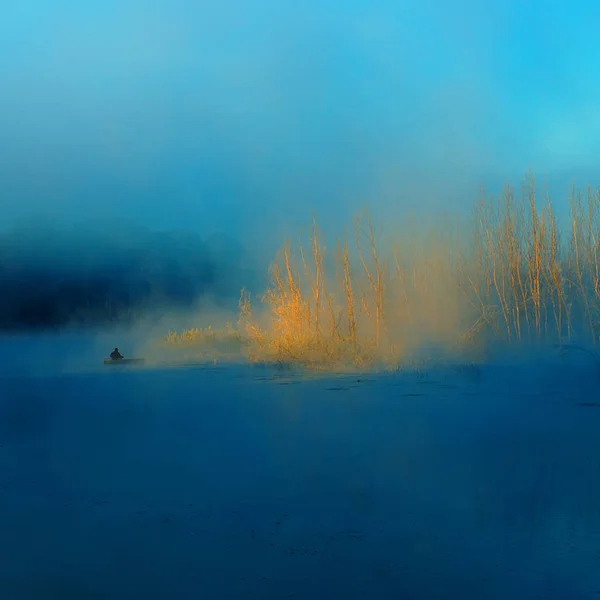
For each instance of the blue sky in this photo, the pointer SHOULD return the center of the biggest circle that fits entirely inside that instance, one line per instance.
(246, 115)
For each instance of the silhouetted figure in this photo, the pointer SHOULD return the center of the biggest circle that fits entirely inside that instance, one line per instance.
(116, 355)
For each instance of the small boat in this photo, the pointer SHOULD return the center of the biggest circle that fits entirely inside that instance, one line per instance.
(124, 361)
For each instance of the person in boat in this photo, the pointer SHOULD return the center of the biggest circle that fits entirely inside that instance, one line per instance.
(116, 355)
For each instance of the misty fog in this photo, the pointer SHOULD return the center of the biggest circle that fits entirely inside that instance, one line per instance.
(243, 117)
(99, 273)
(154, 156)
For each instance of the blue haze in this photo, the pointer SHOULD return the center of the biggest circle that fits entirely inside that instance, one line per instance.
(242, 116)
(153, 154)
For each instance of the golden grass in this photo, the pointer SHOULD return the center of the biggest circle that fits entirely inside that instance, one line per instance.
(510, 275)
(207, 343)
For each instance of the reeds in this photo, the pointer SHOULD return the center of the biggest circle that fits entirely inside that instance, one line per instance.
(508, 275)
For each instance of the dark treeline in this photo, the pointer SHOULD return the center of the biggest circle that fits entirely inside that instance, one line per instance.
(52, 276)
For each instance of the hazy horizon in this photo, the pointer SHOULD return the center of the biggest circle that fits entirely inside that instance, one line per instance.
(243, 118)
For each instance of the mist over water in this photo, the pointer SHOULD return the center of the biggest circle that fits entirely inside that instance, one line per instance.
(153, 157)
